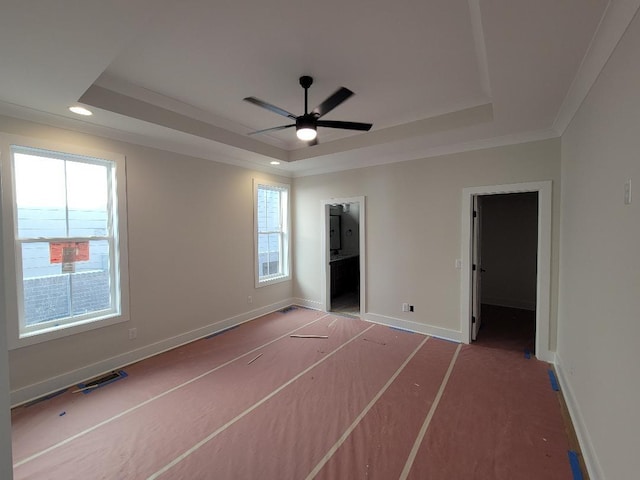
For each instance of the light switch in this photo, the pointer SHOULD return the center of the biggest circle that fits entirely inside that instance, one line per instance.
(627, 192)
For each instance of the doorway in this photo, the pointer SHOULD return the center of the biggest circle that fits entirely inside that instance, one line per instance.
(471, 288)
(343, 255)
(505, 233)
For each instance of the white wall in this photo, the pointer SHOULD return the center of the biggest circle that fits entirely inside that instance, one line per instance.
(190, 260)
(509, 249)
(599, 310)
(6, 460)
(413, 227)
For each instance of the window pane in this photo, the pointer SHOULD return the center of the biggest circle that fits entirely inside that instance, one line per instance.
(274, 252)
(263, 254)
(87, 199)
(46, 289)
(51, 293)
(273, 210)
(91, 284)
(40, 196)
(262, 209)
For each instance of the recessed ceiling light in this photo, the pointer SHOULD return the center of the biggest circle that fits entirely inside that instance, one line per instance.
(80, 110)
(275, 162)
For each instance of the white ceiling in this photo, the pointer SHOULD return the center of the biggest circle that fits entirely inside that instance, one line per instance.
(432, 76)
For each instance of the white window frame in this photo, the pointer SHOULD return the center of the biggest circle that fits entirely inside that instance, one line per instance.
(11, 246)
(284, 231)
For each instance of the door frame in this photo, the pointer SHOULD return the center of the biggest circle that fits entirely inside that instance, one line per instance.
(476, 258)
(325, 257)
(543, 281)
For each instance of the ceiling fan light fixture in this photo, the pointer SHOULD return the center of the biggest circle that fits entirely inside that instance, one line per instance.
(306, 127)
(306, 133)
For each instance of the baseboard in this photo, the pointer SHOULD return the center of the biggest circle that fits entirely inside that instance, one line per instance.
(430, 330)
(312, 304)
(510, 303)
(588, 453)
(68, 379)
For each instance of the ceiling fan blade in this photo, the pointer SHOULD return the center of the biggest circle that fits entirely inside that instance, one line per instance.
(272, 129)
(345, 125)
(332, 102)
(268, 106)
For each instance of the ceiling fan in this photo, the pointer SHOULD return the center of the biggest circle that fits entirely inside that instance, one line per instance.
(308, 123)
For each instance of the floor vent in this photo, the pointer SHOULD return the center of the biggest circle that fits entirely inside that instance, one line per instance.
(96, 383)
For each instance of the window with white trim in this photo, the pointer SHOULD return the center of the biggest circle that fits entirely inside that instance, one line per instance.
(272, 240)
(66, 239)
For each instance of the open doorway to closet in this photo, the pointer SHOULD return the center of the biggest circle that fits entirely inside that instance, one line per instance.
(472, 280)
(505, 230)
(343, 255)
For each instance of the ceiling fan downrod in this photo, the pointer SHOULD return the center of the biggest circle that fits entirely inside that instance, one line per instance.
(305, 82)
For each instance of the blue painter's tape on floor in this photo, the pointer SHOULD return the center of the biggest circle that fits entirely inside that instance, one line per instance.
(575, 465)
(401, 329)
(46, 397)
(527, 353)
(221, 332)
(554, 380)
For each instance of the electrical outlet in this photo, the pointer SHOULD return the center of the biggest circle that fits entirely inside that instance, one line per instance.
(133, 333)
(411, 308)
(249, 299)
(405, 307)
(458, 263)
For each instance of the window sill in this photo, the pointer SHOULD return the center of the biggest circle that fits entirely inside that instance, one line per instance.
(271, 281)
(33, 338)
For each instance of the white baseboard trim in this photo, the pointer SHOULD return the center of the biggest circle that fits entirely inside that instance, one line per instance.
(588, 453)
(68, 379)
(546, 356)
(510, 303)
(312, 304)
(430, 330)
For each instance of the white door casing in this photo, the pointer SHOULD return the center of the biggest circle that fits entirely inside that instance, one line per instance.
(543, 281)
(325, 257)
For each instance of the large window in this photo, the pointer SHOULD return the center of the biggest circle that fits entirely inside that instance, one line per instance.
(66, 238)
(272, 232)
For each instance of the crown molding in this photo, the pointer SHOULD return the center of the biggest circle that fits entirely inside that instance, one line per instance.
(479, 144)
(614, 23)
(216, 152)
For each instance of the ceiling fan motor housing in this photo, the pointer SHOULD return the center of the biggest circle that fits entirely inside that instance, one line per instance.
(306, 81)
(307, 120)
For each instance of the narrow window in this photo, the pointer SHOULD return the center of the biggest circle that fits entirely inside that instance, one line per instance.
(272, 232)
